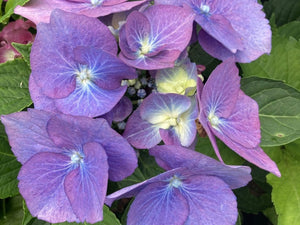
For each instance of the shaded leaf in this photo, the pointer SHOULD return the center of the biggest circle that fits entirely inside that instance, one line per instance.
(230, 157)
(13, 211)
(279, 110)
(284, 10)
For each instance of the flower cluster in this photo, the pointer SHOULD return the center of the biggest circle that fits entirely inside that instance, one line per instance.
(78, 85)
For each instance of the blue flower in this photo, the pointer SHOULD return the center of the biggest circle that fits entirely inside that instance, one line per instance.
(195, 190)
(66, 163)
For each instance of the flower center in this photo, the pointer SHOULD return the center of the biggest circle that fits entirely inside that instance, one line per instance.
(204, 8)
(84, 75)
(145, 47)
(76, 158)
(214, 120)
(175, 181)
(96, 3)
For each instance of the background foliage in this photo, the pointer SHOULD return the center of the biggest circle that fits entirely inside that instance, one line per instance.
(272, 80)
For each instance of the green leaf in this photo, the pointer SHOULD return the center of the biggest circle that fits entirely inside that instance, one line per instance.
(14, 93)
(291, 29)
(282, 64)
(9, 9)
(148, 165)
(9, 169)
(230, 157)
(134, 178)
(284, 10)
(12, 209)
(286, 190)
(24, 50)
(279, 109)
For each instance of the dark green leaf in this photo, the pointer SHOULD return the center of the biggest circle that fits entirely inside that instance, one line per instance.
(200, 57)
(279, 110)
(270, 213)
(256, 196)
(12, 211)
(14, 93)
(230, 157)
(284, 10)
(9, 169)
(148, 165)
(286, 190)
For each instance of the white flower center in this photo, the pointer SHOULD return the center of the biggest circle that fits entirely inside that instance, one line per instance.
(96, 3)
(145, 47)
(76, 158)
(84, 75)
(175, 181)
(214, 120)
(204, 8)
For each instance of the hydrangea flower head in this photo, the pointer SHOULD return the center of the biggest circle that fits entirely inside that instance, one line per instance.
(167, 117)
(225, 111)
(75, 69)
(155, 38)
(40, 10)
(66, 162)
(195, 190)
(230, 28)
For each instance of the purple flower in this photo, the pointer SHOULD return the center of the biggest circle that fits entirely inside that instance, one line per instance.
(225, 111)
(167, 117)
(155, 38)
(66, 163)
(75, 69)
(230, 28)
(195, 190)
(40, 10)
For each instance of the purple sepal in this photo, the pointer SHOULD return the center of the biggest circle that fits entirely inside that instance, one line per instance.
(222, 89)
(152, 40)
(158, 204)
(99, 101)
(171, 156)
(66, 131)
(220, 28)
(122, 110)
(40, 10)
(133, 190)
(180, 197)
(41, 181)
(254, 31)
(86, 185)
(210, 201)
(26, 133)
(225, 111)
(140, 133)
